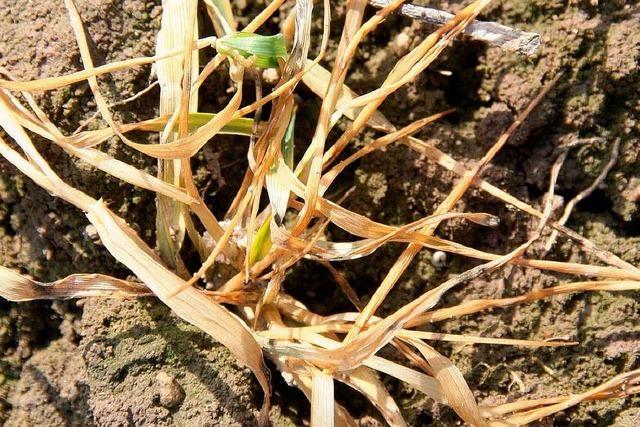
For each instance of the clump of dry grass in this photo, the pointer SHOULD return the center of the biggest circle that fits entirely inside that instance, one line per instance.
(250, 314)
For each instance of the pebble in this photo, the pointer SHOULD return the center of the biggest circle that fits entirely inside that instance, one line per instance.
(270, 76)
(400, 44)
(91, 232)
(170, 393)
(439, 260)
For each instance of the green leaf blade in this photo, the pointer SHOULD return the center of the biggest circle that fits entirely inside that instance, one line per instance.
(266, 49)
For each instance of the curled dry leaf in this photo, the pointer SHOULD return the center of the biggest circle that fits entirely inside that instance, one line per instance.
(16, 287)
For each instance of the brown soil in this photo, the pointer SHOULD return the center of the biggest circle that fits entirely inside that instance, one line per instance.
(133, 363)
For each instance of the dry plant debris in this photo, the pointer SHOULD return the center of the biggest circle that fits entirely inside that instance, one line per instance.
(249, 313)
(508, 38)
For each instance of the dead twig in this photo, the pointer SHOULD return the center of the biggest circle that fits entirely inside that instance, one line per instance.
(495, 34)
(584, 193)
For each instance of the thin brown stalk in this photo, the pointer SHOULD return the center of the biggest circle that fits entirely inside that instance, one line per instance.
(475, 306)
(613, 158)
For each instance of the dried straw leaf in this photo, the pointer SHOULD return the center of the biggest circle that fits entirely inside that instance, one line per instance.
(277, 188)
(474, 306)
(96, 158)
(317, 79)
(453, 384)
(300, 374)
(330, 325)
(10, 123)
(177, 25)
(187, 147)
(240, 126)
(420, 381)
(365, 381)
(51, 83)
(364, 227)
(340, 251)
(618, 386)
(469, 339)
(311, 163)
(513, 413)
(221, 16)
(355, 352)
(16, 287)
(322, 399)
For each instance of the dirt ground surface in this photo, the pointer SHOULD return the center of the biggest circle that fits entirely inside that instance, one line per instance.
(111, 362)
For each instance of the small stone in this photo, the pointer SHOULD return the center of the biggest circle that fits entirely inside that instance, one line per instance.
(400, 44)
(91, 232)
(270, 76)
(439, 260)
(170, 393)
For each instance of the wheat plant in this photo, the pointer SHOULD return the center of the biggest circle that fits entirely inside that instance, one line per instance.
(250, 313)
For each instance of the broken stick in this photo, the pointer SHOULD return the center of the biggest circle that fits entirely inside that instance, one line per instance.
(495, 34)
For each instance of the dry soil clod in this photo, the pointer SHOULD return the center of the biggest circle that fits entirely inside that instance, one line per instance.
(170, 394)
